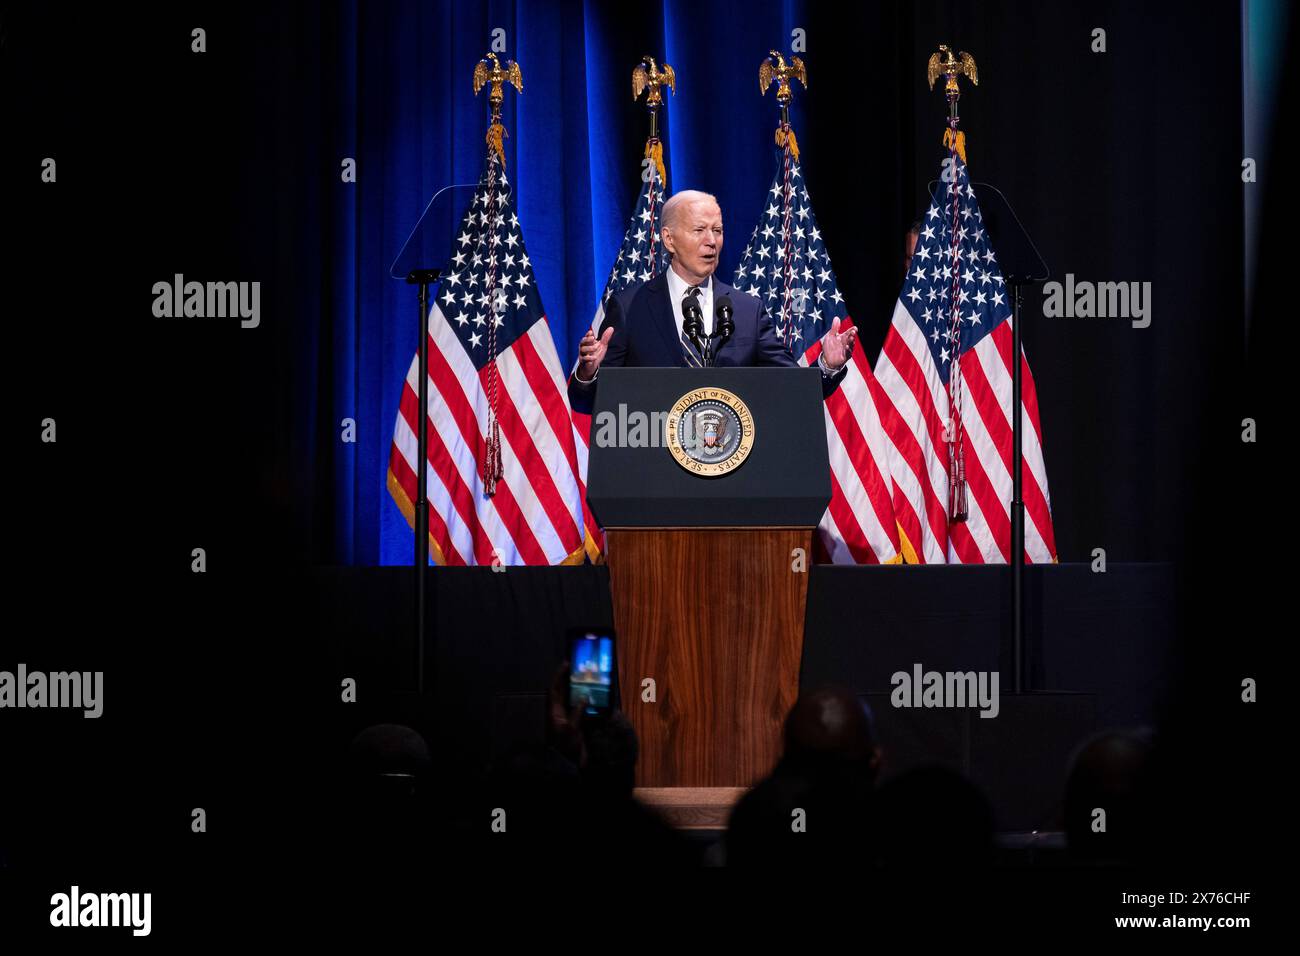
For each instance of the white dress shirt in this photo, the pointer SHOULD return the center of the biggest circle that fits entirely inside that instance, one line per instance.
(677, 287)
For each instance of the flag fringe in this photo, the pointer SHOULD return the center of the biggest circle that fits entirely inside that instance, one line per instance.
(407, 508)
(592, 549)
(905, 547)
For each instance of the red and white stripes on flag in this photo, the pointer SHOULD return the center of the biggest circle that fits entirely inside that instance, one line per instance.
(786, 265)
(594, 535)
(641, 257)
(955, 262)
(492, 357)
(859, 525)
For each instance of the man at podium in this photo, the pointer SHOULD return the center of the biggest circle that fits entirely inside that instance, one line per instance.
(688, 317)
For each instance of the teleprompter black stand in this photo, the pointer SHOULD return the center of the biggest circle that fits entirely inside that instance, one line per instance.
(423, 278)
(1021, 266)
(422, 261)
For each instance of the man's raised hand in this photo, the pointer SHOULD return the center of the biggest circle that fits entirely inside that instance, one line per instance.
(837, 347)
(591, 352)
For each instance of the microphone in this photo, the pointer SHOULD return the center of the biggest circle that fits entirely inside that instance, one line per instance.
(693, 324)
(723, 327)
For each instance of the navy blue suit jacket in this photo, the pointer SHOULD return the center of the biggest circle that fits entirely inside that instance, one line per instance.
(645, 334)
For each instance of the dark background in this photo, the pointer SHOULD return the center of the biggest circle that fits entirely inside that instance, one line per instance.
(176, 434)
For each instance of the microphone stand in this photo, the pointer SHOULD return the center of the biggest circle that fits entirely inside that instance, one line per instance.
(693, 326)
(722, 331)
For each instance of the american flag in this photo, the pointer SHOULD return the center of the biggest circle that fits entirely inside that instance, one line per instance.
(641, 257)
(954, 309)
(492, 358)
(786, 266)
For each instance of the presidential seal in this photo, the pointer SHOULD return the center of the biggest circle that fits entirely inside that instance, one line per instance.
(710, 432)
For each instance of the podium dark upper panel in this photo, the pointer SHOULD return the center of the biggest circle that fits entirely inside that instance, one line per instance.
(783, 482)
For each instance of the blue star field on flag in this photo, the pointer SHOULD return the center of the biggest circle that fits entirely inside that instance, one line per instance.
(491, 286)
(642, 255)
(972, 276)
(786, 264)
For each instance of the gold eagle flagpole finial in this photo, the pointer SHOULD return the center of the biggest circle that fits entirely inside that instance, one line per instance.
(647, 75)
(497, 76)
(943, 63)
(775, 69)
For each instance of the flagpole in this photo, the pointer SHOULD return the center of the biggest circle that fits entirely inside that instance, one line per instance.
(652, 76)
(945, 64)
(775, 69)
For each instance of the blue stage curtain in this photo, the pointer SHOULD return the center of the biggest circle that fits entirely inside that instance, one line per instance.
(390, 85)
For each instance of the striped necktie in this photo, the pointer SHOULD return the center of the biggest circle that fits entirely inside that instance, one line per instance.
(693, 357)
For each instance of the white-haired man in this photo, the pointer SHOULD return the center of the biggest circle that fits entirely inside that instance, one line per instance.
(645, 325)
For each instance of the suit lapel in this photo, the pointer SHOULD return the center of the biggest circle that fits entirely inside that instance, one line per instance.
(661, 312)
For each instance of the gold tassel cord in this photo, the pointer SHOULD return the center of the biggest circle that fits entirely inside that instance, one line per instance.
(654, 149)
(955, 139)
(784, 134)
(492, 470)
(496, 132)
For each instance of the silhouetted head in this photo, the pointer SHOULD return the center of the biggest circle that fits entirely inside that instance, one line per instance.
(829, 728)
(933, 814)
(784, 822)
(387, 758)
(909, 244)
(380, 800)
(1102, 791)
(814, 806)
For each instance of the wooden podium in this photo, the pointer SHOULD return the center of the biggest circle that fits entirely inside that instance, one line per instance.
(708, 573)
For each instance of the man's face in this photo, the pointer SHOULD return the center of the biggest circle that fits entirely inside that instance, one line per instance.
(909, 250)
(695, 239)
